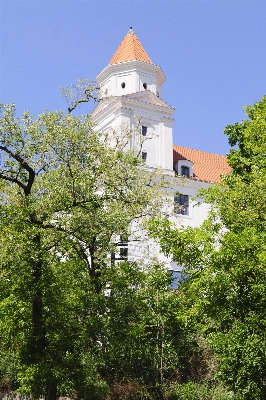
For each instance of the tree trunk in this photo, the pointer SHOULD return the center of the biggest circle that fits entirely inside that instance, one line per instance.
(51, 389)
(37, 315)
(94, 271)
(37, 303)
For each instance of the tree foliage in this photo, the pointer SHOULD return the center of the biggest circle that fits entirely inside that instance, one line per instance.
(65, 193)
(72, 322)
(224, 259)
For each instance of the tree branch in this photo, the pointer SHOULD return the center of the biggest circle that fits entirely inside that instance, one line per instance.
(86, 100)
(7, 178)
(25, 165)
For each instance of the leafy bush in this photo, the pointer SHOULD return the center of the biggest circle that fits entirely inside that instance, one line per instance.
(194, 391)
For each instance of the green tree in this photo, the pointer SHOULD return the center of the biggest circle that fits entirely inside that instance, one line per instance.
(225, 259)
(145, 337)
(65, 194)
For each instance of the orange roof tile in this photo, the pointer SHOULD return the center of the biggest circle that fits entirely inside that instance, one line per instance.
(206, 166)
(130, 49)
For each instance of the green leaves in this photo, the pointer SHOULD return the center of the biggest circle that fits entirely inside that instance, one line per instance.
(249, 136)
(65, 194)
(224, 260)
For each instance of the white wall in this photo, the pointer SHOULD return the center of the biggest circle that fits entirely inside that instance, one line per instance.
(144, 249)
(158, 142)
(122, 110)
(134, 74)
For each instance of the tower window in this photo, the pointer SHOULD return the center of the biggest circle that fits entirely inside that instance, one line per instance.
(144, 155)
(145, 85)
(181, 204)
(123, 85)
(144, 130)
(184, 170)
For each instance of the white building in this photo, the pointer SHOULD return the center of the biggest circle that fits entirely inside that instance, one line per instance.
(134, 87)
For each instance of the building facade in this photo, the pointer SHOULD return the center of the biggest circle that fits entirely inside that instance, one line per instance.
(134, 97)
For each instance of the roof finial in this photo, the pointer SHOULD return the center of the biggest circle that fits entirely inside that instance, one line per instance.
(130, 32)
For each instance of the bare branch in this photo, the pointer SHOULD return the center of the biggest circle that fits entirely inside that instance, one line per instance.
(82, 92)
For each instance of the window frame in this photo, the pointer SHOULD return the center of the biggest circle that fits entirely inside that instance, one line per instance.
(144, 130)
(185, 168)
(182, 200)
(144, 155)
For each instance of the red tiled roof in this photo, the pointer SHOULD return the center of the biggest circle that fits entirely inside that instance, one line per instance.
(130, 49)
(206, 166)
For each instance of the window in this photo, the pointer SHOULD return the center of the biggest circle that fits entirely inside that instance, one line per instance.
(144, 130)
(184, 170)
(144, 155)
(123, 85)
(124, 253)
(124, 246)
(145, 85)
(182, 204)
(120, 252)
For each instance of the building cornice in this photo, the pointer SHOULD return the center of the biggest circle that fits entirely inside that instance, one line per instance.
(129, 103)
(130, 66)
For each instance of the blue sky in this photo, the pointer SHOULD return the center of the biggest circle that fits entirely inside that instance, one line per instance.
(213, 54)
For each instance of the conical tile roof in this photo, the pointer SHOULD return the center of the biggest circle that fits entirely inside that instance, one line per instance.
(130, 49)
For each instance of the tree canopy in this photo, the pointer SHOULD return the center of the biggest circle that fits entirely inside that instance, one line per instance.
(74, 323)
(64, 195)
(224, 259)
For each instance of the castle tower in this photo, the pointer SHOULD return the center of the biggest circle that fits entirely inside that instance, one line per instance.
(134, 87)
